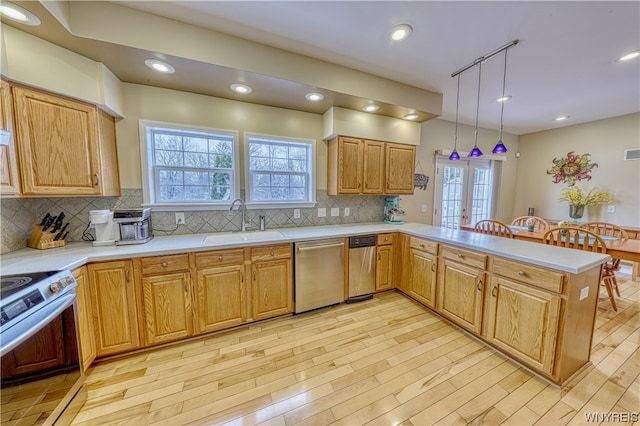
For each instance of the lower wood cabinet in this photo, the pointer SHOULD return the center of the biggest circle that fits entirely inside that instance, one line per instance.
(384, 262)
(272, 281)
(423, 266)
(113, 300)
(220, 290)
(86, 334)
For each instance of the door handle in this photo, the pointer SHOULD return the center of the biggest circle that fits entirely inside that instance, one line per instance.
(479, 285)
(493, 291)
(320, 247)
(126, 275)
(97, 179)
(433, 266)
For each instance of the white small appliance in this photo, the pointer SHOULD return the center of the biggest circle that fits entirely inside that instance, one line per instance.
(107, 231)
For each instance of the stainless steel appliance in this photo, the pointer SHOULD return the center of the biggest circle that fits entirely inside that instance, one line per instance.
(41, 371)
(319, 274)
(362, 267)
(135, 226)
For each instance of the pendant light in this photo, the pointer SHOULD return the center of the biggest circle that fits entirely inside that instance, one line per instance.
(500, 148)
(475, 152)
(454, 155)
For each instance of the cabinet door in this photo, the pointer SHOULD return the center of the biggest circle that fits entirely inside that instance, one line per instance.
(349, 166)
(57, 142)
(422, 277)
(167, 307)
(373, 168)
(461, 294)
(272, 288)
(523, 322)
(114, 307)
(85, 318)
(221, 298)
(9, 183)
(399, 170)
(384, 267)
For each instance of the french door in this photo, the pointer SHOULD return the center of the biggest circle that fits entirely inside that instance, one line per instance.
(464, 192)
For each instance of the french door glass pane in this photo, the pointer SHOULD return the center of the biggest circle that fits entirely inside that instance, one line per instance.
(481, 201)
(452, 196)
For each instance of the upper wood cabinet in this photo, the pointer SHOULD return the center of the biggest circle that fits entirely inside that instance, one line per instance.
(65, 147)
(9, 183)
(358, 166)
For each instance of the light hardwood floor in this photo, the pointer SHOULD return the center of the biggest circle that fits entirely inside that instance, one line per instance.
(387, 361)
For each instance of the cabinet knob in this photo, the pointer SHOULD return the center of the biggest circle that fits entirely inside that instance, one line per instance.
(164, 264)
(220, 257)
(521, 273)
(460, 255)
(421, 245)
(271, 253)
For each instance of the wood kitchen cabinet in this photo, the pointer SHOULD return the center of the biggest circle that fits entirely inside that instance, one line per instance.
(9, 180)
(399, 167)
(461, 281)
(113, 300)
(166, 294)
(423, 267)
(86, 333)
(65, 147)
(358, 166)
(221, 294)
(272, 280)
(384, 262)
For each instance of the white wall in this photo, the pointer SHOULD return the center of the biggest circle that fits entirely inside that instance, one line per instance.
(606, 141)
(171, 106)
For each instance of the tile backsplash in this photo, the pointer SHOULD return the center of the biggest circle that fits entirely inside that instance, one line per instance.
(18, 215)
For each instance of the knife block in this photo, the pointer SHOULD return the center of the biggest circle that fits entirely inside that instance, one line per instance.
(43, 240)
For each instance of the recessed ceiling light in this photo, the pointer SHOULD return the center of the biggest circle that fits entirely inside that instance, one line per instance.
(411, 116)
(401, 32)
(243, 89)
(159, 66)
(503, 98)
(314, 96)
(371, 108)
(629, 56)
(561, 118)
(19, 14)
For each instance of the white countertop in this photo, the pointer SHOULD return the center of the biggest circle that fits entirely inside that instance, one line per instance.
(74, 255)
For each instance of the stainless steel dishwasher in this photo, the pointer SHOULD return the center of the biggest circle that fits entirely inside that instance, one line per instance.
(362, 267)
(319, 274)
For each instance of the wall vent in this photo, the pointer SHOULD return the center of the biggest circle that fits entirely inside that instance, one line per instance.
(632, 154)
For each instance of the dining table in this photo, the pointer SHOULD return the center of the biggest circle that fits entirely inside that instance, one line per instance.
(628, 250)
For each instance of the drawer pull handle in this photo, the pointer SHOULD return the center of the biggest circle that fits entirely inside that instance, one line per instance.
(271, 253)
(493, 291)
(479, 285)
(460, 255)
(164, 264)
(521, 273)
(433, 266)
(422, 246)
(220, 257)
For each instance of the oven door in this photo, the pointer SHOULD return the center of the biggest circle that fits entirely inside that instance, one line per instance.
(40, 366)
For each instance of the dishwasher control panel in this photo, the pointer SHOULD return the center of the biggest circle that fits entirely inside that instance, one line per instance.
(362, 241)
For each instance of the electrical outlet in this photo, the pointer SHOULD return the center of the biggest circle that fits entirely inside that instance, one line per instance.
(335, 211)
(347, 211)
(611, 208)
(180, 218)
(423, 208)
(322, 212)
(296, 213)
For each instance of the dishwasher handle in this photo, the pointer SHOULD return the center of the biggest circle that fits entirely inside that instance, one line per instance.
(320, 247)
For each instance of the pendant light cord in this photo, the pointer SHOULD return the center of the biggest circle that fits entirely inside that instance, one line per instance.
(455, 134)
(478, 103)
(504, 79)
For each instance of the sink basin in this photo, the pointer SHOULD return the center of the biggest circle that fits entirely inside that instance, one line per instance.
(234, 237)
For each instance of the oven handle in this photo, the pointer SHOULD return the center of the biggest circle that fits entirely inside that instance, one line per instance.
(35, 322)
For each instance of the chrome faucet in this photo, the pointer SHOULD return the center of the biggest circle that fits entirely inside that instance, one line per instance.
(243, 210)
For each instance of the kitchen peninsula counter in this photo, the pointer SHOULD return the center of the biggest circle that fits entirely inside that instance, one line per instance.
(74, 255)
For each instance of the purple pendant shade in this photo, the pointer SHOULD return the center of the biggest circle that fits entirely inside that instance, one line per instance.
(475, 152)
(454, 155)
(499, 148)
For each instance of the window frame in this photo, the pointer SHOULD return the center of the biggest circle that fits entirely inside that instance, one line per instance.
(253, 204)
(150, 189)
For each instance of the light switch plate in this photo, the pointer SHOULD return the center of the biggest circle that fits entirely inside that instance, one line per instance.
(322, 212)
(347, 211)
(584, 293)
(423, 208)
(335, 211)
(180, 219)
(296, 213)
(611, 208)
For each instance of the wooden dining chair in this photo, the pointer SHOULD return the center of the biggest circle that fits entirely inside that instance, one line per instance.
(609, 230)
(583, 239)
(541, 224)
(494, 227)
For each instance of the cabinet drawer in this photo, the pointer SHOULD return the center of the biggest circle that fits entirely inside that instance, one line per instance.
(536, 276)
(466, 257)
(162, 264)
(219, 258)
(384, 239)
(271, 252)
(424, 245)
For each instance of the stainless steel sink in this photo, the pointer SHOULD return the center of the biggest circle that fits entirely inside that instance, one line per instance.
(234, 237)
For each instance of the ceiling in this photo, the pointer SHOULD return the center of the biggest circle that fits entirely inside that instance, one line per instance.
(564, 64)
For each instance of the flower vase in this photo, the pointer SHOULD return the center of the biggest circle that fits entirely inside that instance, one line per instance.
(576, 212)
(530, 228)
